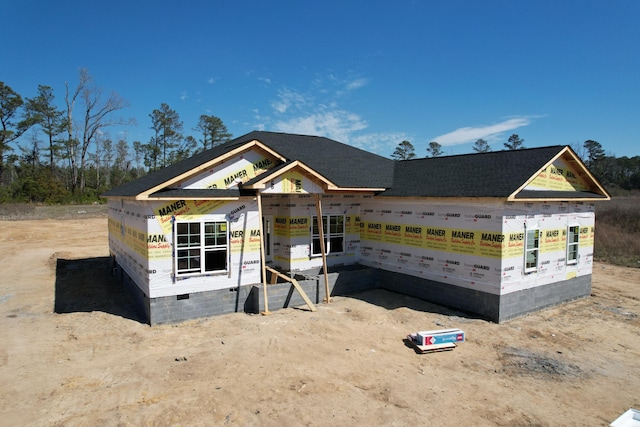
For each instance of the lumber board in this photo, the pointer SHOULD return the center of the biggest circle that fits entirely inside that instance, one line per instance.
(434, 348)
(303, 295)
(275, 274)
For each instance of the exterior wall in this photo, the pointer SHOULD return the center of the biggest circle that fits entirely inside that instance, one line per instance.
(141, 239)
(128, 240)
(552, 219)
(444, 243)
(293, 216)
(475, 246)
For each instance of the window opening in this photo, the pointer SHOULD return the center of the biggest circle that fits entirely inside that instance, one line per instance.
(532, 250)
(333, 227)
(201, 247)
(573, 241)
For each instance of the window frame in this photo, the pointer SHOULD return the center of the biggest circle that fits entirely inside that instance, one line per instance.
(573, 245)
(331, 234)
(202, 242)
(535, 249)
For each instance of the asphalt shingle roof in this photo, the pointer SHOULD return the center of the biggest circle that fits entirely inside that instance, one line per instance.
(342, 164)
(493, 174)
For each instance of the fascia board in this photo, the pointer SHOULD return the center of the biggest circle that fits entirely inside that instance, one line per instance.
(512, 196)
(297, 164)
(579, 165)
(211, 163)
(585, 171)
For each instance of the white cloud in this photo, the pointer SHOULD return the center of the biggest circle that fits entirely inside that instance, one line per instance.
(211, 80)
(288, 99)
(379, 143)
(490, 133)
(356, 84)
(335, 124)
(183, 95)
(318, 110)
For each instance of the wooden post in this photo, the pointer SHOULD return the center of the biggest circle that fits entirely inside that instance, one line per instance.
(263, 263)
(327, 293)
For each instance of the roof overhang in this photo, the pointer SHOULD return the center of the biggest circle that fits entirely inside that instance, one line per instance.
(560, 196)
(263, 181)
(146, 195)
(196, 194)
(596, 190)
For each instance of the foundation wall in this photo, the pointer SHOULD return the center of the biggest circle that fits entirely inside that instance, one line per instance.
(525, 301)
(350, 281)
(488, 306)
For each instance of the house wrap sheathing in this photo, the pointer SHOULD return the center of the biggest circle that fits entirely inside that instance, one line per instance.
(496, 234)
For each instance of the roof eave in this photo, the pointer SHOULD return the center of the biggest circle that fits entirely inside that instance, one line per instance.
(582, 169)
(268, 176)
(220, 159)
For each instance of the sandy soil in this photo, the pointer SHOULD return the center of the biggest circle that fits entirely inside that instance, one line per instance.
(73, 353)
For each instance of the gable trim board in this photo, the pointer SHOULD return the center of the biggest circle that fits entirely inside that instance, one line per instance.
(207, 165)
(576, 169)
(260, 175)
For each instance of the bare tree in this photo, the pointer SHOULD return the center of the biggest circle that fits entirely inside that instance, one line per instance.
(97, 117)
(72, 142)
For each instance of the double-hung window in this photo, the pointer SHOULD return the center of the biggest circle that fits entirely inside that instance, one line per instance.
(573, 242)
(333, 227)
(531, 250)
(200, 247)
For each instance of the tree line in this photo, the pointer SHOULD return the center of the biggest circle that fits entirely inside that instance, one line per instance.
(613, 172)
(406, 151)
(62, 152)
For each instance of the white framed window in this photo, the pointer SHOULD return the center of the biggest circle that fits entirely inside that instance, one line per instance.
(573, 242)
(200, 247)
(531, 250)
(333, 227)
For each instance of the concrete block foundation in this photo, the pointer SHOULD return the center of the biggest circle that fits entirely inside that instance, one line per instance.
(351, 280)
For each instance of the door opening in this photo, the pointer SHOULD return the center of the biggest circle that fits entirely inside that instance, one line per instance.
(267, 229)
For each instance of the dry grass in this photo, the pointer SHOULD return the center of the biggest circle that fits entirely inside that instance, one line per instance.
(20, 211)
(618, 231)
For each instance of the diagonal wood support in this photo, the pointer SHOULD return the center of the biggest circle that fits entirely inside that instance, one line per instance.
(274, 278)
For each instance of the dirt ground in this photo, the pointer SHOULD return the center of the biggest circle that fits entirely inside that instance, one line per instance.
(73, 353)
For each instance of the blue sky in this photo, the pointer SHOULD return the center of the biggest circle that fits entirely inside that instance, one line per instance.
(367, 73)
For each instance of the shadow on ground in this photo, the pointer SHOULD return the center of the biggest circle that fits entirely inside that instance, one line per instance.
(86, 285)
(394, 300)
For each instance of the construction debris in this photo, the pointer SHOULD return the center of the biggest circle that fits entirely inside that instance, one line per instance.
(436, 340)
